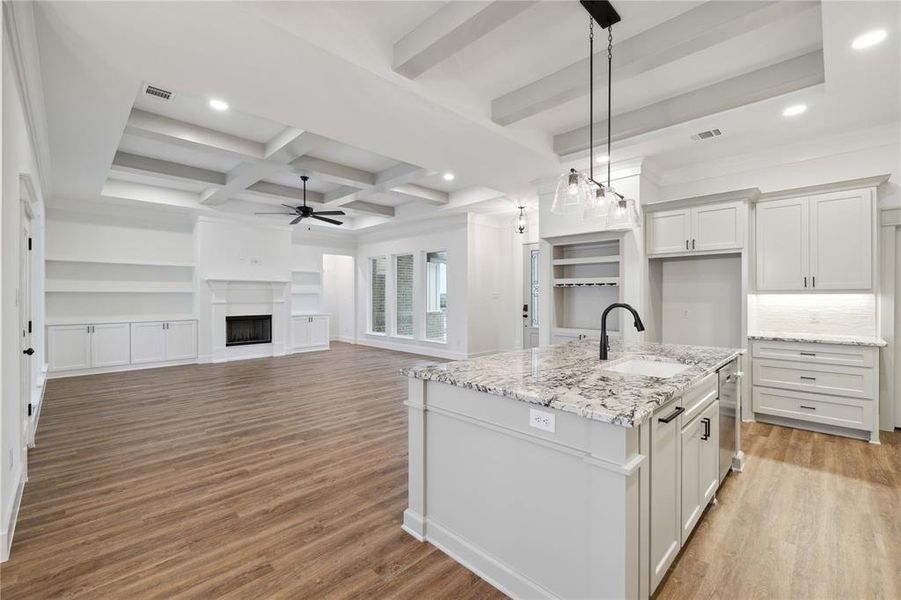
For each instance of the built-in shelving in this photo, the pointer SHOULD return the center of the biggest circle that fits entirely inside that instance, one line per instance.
(585, 278)
(585, 281)
(117, 287)
(122, 261)
(306, 291)
(586, 260)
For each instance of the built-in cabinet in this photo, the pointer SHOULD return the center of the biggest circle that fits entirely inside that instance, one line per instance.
(310, 332)
(713, 227)
(700, 465)
(115, 345)
(821, 242)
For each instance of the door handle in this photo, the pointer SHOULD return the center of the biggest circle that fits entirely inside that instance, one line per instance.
(29, 351)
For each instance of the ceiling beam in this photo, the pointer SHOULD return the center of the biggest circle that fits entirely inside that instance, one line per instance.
(132, 163)
(450, 29)
(334, 172)
(284, 192)
(693, 31)
(370, 207)
(417, 192)
(784, 77)
(149, 125)
(397, 175)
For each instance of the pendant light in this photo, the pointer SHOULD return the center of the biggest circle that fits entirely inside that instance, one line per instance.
(521, 221)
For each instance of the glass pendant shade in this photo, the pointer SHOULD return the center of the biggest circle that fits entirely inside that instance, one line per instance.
(622, 214)
(597, 207)
(572, 193)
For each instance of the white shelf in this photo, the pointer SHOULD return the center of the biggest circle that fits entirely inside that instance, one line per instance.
(122, 261)
(586, 281)
(317, 271)
(305, 289)
(118, 287)
(587, 260)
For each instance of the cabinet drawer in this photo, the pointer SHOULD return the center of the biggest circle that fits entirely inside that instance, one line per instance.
(831, 354)
(829, 410)
(854, 382)
(698, 398)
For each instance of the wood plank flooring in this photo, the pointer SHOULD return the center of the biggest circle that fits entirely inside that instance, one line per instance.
(286, 478)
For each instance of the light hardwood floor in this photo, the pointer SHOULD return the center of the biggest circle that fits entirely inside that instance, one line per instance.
(286, 478)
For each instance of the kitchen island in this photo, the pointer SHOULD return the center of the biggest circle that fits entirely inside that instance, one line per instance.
(550, 473)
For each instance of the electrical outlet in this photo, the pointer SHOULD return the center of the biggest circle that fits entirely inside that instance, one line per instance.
(541, 420)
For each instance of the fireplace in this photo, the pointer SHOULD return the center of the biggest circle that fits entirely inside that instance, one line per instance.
(248, 329)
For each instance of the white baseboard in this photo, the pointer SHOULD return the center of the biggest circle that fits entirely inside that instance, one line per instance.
(412, 349)
(121, 368)
(9, 523)
(495, 572)
(345, 339)
(310, 349)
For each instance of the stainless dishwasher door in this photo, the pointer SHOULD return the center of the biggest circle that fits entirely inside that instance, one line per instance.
(729, 395)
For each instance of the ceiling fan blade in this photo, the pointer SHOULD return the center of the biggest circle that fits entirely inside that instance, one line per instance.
(281, 213)
(297, 220)
(294, 208)
(332, 221)
(329, 212)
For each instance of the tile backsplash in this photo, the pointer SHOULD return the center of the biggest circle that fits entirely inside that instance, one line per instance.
(832, 314)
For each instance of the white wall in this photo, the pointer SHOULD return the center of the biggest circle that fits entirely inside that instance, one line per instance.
(18, 160)
(450, 234)
(232, 250)
(338, 296)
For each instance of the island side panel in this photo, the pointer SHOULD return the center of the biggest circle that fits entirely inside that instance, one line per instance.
(414, 523)
(536, 513)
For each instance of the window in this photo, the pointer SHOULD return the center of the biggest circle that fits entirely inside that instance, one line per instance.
(403, 295)
(436, 296)
(377, 294)
(533, 286)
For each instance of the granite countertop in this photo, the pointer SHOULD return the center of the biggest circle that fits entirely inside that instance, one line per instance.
(820, 338)
(571, 378)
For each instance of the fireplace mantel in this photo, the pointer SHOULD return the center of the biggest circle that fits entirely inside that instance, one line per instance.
(240, 297)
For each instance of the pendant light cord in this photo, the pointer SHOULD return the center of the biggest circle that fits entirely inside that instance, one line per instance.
(609, 96)
(591, 99)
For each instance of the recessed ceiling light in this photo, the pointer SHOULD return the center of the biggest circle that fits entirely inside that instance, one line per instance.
(794, 109)
(218, 104)
(448, 177)
(602, 159)
(870, 38)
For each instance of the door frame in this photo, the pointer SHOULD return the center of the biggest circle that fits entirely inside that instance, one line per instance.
(25, 309)
(526, 325)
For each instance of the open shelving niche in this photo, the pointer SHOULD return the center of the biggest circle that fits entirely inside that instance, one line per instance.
(306, 291)
(98, 290)
(586, 277)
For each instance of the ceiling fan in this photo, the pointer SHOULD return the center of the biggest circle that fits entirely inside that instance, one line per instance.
(304, 211)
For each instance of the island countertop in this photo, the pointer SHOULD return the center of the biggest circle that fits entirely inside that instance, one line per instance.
(570, 377)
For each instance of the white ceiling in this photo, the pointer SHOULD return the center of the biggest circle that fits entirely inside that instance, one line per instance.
(326, 68)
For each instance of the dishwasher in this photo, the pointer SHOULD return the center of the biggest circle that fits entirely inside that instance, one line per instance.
(729, 395)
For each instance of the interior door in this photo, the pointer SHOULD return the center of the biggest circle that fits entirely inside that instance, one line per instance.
(530, 288)
(181, 340)
(841, 241)
(782, 245)
(25, 323)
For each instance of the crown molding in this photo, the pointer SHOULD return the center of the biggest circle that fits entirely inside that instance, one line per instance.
(747, 194)
(835, 186)
(19, 29)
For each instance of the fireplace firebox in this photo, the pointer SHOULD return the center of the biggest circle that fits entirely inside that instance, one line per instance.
(248, 329)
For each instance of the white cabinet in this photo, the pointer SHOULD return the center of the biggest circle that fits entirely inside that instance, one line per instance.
(700, 467)
(669, 231)
(310, 332)
(75, 347)
(110, 345)
(148, 342)
(666, 538)
(841, 241)
(821, 242)
(181, 340)
(69, 347)
(160, 341)
(706, 228)
(710, 452)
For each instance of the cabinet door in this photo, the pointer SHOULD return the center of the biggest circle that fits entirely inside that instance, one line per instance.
(691, 482)
(782, 244)
(300, 332)
(69, 347)
(717, 227)
(319, 334)
(148, 342)
(841, 241)
(669, 231)
(665, 473)
(110, 345)
(710, 453)
(181, 340)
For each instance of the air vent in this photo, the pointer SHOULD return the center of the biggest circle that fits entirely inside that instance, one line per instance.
(158, 92)
(706, 135)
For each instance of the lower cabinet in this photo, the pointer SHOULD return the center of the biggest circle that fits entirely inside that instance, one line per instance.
(310, 332)
(160, 341)
(700, 466)
(666, 477)
(107, 345)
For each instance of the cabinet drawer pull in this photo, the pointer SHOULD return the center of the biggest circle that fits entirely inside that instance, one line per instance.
(809, 407)
(686, 244)
(805, 378)
(706, 423)
(807, 353)
(679, 410)
(805, 281)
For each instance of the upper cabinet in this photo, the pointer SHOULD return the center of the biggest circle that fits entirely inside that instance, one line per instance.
(821, 242)
(707, 228)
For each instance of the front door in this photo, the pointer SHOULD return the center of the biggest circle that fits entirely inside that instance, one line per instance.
(530, 296)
